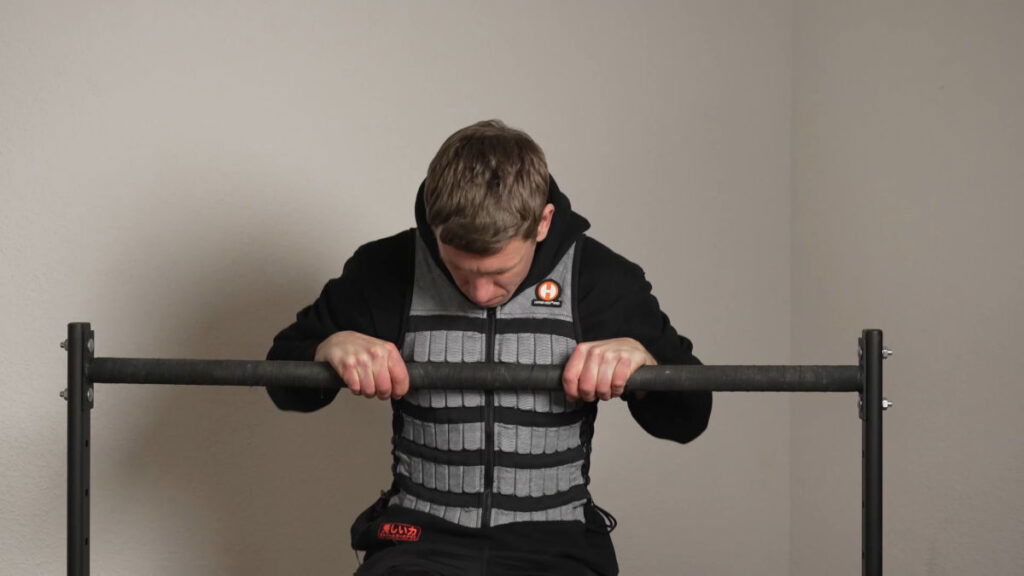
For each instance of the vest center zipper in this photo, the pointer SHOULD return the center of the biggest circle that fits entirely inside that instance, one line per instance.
(485, 520)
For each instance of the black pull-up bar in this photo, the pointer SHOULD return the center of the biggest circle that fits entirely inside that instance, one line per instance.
(84, 370)
(472, 376)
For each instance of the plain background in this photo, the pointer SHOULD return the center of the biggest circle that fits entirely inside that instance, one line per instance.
(187, 175)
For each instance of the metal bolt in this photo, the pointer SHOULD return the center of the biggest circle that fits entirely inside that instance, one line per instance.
(88, 394)
(64, 345)
(64, 393)
(886, 353)
(89, 345)
(886, 404)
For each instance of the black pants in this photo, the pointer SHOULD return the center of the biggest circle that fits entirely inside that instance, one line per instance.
(435, 561)
(521, 549)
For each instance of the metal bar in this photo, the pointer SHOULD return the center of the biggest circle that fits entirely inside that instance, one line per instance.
(478, 376)
(871, 454)
(79, 395)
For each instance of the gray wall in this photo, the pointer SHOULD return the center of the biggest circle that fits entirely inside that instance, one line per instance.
(187, 175)
(909, 141)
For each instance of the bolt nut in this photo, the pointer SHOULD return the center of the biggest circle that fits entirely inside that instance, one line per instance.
(886, 352)
(64, 393)
(64, 345)
(89, 345)
(886, 404)
(88, 394)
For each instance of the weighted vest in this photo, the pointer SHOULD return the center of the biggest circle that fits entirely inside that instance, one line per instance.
(480, 458)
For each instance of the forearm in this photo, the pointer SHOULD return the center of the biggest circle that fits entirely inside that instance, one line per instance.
(291, 398)
(616, 302)
(676, 416)
(344, 304)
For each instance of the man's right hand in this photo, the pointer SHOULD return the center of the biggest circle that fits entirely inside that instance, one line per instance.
(369, 366)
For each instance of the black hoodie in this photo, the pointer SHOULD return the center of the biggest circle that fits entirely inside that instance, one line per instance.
(372, 296)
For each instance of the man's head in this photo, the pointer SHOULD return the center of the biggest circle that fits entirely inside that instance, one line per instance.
(486, 200)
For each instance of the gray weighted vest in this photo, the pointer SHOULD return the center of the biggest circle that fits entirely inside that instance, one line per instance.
(480, 458)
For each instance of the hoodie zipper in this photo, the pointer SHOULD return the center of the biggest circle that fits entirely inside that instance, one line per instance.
(485, 521)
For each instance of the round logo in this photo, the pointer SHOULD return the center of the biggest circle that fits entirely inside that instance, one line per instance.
(548, 291)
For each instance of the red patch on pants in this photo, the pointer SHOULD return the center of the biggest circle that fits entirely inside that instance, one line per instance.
(399, 532)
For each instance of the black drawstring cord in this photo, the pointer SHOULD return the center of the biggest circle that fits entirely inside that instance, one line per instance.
(610, 523)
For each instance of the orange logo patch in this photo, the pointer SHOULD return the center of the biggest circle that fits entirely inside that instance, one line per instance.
(399, 532)
(548, 291)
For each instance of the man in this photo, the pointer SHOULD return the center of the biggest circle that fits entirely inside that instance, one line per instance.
(498, 269)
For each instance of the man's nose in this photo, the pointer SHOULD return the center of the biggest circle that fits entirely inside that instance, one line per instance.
(481, 290)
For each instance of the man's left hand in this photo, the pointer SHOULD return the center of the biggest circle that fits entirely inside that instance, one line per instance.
(599, 370)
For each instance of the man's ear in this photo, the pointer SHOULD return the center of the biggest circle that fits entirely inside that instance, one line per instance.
(545, 222)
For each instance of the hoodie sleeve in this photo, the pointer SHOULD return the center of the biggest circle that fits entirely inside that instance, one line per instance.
(368, 298)
(615, 301)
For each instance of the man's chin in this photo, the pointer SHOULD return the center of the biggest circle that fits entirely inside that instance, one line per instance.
(491, 303)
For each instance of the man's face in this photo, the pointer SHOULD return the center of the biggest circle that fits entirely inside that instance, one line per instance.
(490, 281)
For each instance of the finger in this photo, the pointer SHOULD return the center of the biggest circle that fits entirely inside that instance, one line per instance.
(369, 388)
(399, 374)
(381, 376)
(605, 374)
(623, 370)
(571, 372)
(589, 374)
(351, 377)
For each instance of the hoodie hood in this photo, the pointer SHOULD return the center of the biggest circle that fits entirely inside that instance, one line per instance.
(566, 228)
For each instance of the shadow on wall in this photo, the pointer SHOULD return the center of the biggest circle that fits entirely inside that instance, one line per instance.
(207, 480)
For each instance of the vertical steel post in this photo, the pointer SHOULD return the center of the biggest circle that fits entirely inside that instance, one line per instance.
(79, 396)
(871, 452)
